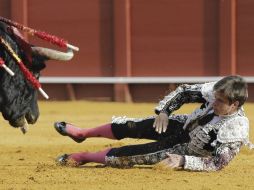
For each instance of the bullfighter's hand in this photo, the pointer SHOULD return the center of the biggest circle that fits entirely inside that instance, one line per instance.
(173, 161)
(161, 123)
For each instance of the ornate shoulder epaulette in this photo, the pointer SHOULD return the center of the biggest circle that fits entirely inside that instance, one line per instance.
(235, 129)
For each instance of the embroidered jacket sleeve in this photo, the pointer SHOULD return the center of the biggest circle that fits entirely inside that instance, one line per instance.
(224, 154)
(198, 93)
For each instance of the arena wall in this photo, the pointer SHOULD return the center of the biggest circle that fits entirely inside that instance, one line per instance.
(132, 38)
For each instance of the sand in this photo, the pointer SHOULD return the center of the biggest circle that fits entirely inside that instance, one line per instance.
(27, 161)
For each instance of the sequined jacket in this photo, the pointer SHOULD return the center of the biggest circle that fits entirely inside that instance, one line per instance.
(212, 146)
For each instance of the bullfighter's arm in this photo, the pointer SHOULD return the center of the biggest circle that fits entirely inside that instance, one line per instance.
(224, 154)
(198, 93)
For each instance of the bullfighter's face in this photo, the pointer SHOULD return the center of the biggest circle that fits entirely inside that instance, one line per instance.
(222, 106)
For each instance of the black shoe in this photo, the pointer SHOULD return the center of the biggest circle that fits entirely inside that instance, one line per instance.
(61, 128)
(65, 161)
(62, 160)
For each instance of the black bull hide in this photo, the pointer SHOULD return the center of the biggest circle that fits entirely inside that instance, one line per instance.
(18, 98)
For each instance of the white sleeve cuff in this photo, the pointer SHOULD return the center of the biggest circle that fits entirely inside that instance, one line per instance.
(193, 163)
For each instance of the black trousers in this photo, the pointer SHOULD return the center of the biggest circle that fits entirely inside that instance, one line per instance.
(144, 130)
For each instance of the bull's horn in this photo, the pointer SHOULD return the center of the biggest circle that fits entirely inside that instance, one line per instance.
(24, 128)
(54, 54)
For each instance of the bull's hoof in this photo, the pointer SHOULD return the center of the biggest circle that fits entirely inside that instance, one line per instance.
(61, 129)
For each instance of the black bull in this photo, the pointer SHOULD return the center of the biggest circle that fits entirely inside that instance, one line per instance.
(18, 98)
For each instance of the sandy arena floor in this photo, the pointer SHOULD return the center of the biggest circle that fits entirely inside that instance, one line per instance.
(27, 161)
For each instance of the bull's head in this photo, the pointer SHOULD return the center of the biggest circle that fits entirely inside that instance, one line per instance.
(18, 98)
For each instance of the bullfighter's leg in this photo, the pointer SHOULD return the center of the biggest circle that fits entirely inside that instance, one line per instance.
(125, 156)
(121, 128)
(80, 134)
(77, 159)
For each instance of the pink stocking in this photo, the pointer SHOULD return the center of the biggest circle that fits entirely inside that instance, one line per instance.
(85, 157)
(101, 131)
